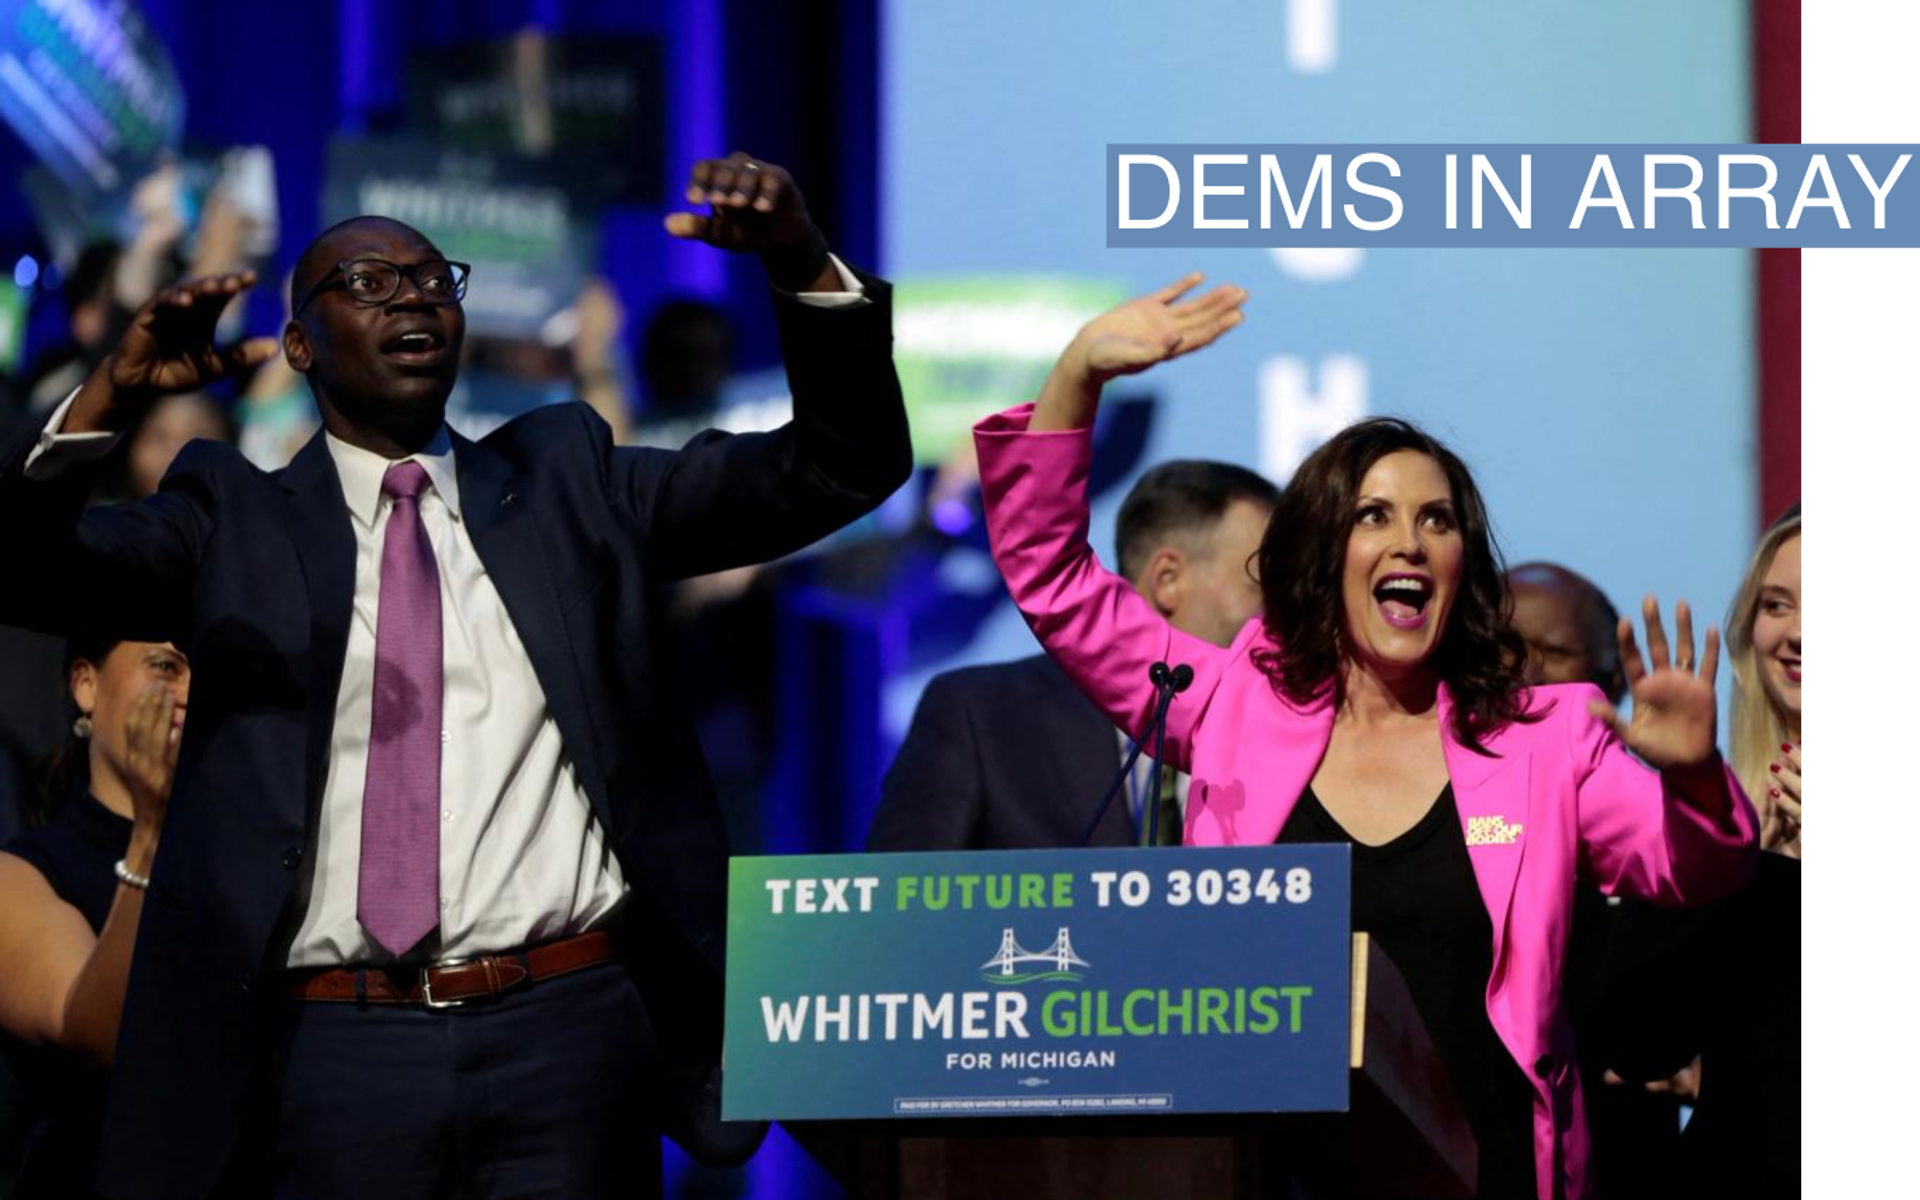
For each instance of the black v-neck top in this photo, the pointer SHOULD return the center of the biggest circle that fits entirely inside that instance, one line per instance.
(1417, 897)
(66, 1099)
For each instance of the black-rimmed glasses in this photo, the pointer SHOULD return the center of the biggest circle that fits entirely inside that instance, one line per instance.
(372, 281)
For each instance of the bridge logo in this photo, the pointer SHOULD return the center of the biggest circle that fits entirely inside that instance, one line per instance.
(1057, 961)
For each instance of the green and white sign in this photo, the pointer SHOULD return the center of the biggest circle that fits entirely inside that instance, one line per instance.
(970, 345)
(518, 221)
(1017, 983)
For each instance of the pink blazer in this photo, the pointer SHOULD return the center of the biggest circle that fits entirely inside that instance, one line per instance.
(1557, 800)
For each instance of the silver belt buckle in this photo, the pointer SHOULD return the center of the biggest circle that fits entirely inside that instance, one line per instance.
(426, 983)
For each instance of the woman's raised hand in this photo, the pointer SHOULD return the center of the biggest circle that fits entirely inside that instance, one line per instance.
(1158, 326)
(1674, 708)
(153, 749)
(1128, 339)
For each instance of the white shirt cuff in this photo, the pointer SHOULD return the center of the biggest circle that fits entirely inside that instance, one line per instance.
(57, 453)
(852, 290)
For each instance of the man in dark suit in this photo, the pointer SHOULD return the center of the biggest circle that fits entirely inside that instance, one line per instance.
(434, 794)
(1011, 755)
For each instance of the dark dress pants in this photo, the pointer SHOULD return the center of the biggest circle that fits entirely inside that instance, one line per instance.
(541, 1092)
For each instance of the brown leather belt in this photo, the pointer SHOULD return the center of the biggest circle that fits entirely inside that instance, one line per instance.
(457, 981)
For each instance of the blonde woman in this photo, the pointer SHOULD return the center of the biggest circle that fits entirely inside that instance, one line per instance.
(1763, 642)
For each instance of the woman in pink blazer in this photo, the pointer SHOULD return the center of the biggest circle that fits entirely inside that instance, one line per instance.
(1384, 673)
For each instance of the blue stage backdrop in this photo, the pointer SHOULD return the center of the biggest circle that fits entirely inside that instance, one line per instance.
(1604, 398)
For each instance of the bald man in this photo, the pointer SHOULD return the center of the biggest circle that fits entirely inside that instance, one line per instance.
(439, 905)
(1569, 627)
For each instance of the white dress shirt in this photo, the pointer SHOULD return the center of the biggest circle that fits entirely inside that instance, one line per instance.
(522, 857)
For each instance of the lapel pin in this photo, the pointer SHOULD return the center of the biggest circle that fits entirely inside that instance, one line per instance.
(1492, 831)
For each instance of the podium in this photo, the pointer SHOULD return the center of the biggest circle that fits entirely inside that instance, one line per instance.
(1403, 1136)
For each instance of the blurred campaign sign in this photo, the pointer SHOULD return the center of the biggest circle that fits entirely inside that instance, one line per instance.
(1038, 982)
(594, 104)
(179, 190)
(13, 324)
(89, 87)
(970, 345)
(516, 220)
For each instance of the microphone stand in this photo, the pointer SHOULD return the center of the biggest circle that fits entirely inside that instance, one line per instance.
(1167, 681)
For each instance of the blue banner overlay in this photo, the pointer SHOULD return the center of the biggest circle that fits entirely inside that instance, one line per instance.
(1482, 196)
(1038, 982)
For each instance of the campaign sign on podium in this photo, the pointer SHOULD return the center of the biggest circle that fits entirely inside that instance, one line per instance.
(1034, 982)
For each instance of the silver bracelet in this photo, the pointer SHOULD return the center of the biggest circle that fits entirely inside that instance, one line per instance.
(127, 877)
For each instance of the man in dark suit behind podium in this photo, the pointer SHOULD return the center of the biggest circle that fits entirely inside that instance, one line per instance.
(429, 728)
(1012, 756)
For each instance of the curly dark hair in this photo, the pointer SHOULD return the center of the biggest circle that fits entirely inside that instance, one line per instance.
(1480, 657)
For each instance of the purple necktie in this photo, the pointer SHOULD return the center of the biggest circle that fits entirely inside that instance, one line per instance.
(400, 817)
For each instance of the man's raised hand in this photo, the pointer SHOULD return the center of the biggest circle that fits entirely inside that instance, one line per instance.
(170, 346)
(752, 205)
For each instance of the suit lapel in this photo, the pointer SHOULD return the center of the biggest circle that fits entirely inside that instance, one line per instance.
(1281, 759)
(322, 533)
(1086, 758)
(1492, 796)
(1303, 727)
(499, 518)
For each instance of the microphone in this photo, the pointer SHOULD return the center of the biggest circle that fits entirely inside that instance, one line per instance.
(1178, 678)
(1167, 681)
